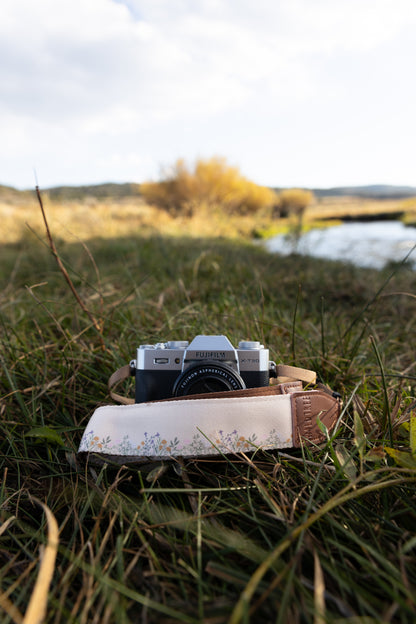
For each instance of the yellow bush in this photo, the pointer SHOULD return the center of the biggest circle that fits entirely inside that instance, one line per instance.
(210, 183)
(294, 201)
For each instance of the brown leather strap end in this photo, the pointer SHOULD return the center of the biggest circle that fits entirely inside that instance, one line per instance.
(307, 408)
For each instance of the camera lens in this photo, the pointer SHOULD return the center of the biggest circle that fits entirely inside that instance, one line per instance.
(206, 378)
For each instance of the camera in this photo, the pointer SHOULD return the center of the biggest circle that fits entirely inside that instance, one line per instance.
(207, 364)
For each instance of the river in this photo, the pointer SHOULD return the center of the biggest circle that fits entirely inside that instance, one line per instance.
(371, 244)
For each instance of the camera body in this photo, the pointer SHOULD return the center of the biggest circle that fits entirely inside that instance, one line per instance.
(207, 364)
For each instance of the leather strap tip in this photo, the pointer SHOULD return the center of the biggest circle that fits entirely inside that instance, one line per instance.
(310, 408)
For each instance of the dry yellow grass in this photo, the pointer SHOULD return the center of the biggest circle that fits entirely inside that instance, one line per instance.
(83, 220)
(89, 219)
(339, 207)
(92, 218)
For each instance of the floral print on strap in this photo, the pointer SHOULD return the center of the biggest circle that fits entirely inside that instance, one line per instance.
(200, 444)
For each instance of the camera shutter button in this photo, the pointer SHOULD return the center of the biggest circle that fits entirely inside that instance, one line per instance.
(177, 344)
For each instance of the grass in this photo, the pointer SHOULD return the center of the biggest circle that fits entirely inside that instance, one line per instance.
(78, 216)
(314, 535)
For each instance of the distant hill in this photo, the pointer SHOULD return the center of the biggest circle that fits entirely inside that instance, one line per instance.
(100, 191)
(118, 191)
(10, 194)
(374, 191)
(68, 193)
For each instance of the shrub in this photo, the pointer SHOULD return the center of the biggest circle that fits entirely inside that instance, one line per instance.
(294, 202)
(210, 183)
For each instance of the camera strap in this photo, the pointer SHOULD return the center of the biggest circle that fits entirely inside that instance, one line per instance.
(282, 415)
(284, 373)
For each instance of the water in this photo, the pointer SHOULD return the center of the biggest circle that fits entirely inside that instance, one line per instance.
(371, 244)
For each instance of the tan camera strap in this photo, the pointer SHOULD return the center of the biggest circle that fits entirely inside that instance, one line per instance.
(284, 373)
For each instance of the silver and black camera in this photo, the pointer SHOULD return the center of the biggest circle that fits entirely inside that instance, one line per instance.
(207, 364)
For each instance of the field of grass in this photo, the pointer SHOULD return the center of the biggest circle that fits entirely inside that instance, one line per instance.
(79, 216)
(324, 534)
(86, 218)
(339, 207)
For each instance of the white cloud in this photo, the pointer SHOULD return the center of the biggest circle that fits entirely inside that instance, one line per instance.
(185, 77)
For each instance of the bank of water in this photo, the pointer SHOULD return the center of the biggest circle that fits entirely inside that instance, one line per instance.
(371, 244)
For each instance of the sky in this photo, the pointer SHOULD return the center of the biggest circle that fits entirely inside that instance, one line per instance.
(305, 93)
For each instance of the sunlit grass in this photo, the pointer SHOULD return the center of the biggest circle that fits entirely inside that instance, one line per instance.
(93, 218)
